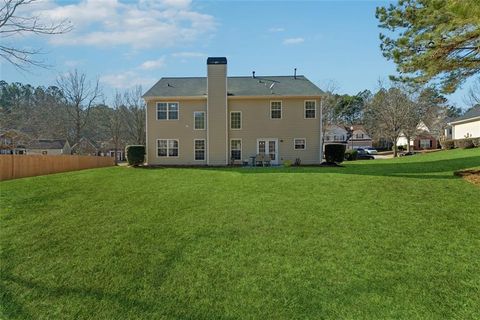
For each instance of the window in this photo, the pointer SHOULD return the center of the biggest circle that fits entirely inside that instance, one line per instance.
(425, 143)
(167, 148)
(236, 149)
(199, 120)
(235, 120)
(299, 144)
(276, 110)
(310, 109)
(167, 111)
(199, 149)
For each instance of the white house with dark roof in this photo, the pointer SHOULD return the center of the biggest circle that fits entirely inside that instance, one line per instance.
(466, 126)
(49, 147)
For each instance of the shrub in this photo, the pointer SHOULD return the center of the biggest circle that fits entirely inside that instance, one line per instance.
(287, 163)
(447, 144)
(135, 155)
(351, 155)
(464, 143)
(476, 142)
(402, 148)
(334, 153)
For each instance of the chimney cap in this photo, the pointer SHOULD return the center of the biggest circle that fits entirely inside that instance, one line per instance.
(216, 60)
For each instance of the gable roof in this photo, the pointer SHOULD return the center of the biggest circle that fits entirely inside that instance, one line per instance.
(237, 86)
(472, 113)
(47, 144)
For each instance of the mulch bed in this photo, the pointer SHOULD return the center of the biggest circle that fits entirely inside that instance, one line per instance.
(471, 175)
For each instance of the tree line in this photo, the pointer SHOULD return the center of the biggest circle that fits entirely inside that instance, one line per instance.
(73, 108)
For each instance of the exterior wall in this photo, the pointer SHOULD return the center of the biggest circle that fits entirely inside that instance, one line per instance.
(217, 114)
(181, 129)
(418, 146)
(335, 131)
(256, 123)
(472, 128)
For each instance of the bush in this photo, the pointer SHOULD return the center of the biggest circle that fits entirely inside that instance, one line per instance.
(135, 155)
(335, 153)
(447, 144)
(287, 163)
(401, 148)
(351, 155)
(464, 143)
(476, 142)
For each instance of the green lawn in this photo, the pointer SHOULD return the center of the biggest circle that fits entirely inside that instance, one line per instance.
(374, 240)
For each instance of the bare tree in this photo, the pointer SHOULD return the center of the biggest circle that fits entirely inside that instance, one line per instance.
(80, 95)
(133, 114)
(327, 109)
(473, 95)
(389, 111)
(13, 23)
(115, 122)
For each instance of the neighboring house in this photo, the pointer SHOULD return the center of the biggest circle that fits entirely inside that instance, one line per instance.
(359, 138)
(466, 126)
(219, 120)
(13, 142)
(49, 147)
(108, 149)
(424, 139)
(86, 146)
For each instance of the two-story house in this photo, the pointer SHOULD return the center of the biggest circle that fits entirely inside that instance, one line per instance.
(218, 120)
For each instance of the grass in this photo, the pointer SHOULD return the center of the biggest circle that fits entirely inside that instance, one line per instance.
(374, 240)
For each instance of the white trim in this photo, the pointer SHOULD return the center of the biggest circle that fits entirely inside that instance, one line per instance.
(241, 120)
(281, 109)
(168, 156)
(204, 150)
(208, 126)
(304, 143)
(204, 120)
(167, 103)
(146, 132)
(473, 119)
(230, 149)
(305, 109)
(277, 147)
(226, 116)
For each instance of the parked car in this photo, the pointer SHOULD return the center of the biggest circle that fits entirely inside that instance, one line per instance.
(362, 154)
(371, 150)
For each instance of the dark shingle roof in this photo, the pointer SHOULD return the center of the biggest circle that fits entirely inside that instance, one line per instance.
(472, 113)
(47, 144)
(237, 86)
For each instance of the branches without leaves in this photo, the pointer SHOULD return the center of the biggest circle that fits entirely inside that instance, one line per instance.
(12, 23)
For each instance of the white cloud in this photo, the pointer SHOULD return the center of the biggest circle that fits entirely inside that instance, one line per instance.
(187, 54)
(289, 41)
(127, 79)
(153, 64)
(276, 29)
(147, 23)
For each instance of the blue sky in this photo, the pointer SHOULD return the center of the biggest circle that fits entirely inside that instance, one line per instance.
(125, 43)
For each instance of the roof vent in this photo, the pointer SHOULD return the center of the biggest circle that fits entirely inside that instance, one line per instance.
(253, 74)
(295, 73)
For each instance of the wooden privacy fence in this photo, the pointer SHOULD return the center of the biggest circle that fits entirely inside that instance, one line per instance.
(14, 166)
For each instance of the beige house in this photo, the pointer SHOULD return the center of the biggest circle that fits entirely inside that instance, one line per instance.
(220, 120)
(49, 147)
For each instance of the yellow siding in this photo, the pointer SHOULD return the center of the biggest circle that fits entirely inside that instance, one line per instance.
(181, 129)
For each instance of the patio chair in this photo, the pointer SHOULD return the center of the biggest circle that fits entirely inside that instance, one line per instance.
(259, 160)
(267, 160)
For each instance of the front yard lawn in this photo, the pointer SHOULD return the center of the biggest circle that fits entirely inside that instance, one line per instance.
(374, 240)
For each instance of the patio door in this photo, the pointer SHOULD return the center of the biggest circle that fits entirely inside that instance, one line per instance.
(268, 147)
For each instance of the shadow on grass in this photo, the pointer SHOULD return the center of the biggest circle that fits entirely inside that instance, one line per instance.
(385, 168)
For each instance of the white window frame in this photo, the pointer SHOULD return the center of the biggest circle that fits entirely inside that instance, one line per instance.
(304, 144)
(241, 148)
(241, 124)
(281, 109)
(204, 120)
(204, 150)
(169, 156)
(168, 114)
(305, 109)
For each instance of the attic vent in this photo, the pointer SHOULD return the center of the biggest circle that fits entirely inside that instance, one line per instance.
(169, 85)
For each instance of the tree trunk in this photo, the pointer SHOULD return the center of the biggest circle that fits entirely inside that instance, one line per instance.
(409, 147)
